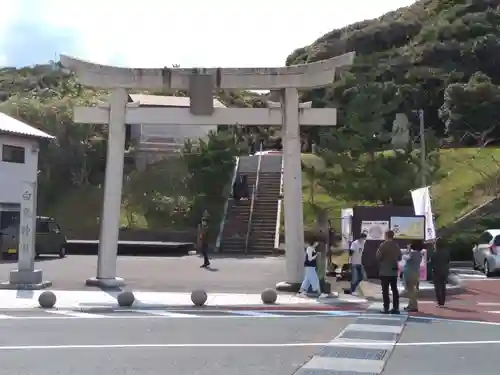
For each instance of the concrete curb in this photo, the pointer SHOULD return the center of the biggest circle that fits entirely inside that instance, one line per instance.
(311, 307)
(343, 306)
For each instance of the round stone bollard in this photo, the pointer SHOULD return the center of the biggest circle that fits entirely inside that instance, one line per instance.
(198, 297)
(269, 296)
(47, 299)
(125, 299)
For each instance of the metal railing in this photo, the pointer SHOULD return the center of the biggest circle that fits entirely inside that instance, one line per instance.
(254, 196)
(278, 211)
(226, 206)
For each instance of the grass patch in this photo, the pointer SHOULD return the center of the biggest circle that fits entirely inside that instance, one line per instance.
(78, 211)
(466, 182)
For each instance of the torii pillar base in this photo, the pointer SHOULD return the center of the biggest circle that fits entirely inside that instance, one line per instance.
(290, 287)
(102, 283)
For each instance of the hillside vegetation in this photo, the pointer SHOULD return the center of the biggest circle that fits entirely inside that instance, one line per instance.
(71, 169)
(465, 184)
(441, 56)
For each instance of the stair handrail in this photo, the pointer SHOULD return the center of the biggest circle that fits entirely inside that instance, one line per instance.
(254, 196)
(226, 206)
(278, 211)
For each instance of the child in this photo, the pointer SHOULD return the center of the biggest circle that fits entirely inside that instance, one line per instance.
(310, 274)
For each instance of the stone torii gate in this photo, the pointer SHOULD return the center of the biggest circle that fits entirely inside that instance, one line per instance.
(201, 82)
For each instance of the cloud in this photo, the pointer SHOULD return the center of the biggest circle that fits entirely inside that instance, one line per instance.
(30, 43)
(26, 38)
(153, 33)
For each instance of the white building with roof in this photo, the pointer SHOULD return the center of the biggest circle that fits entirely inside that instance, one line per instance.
(19, 146)
(154, 142)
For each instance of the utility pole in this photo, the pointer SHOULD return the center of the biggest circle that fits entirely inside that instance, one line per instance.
(423, 159)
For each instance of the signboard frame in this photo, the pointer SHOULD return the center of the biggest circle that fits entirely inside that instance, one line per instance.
(420, 219)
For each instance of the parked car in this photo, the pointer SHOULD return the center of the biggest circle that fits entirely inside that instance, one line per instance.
(486, 252)
(49, 239)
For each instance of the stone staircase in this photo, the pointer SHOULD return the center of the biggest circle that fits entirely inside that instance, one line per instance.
(262, 228)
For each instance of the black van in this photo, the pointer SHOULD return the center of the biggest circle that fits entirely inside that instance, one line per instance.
(49, 239)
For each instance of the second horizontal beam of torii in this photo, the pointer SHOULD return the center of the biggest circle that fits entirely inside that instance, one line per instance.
(221, 116)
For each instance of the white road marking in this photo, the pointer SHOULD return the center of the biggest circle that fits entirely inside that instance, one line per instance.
(357, 343)
(167, 314)
(160, 314)
(439, 343)
(375, 328)
(345, 364)
(142, 346)
(447, 320)
(488, 303)
(255, 313)
(76, 314)
(493, 312)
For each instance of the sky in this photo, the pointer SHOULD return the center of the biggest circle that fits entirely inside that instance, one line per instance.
(159, 33)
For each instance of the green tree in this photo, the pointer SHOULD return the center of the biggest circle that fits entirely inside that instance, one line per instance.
(471, 111)
(209, 164)
(77, 154)
(363, 165)
(159, 193)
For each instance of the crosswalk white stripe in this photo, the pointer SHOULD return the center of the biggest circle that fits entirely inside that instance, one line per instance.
(488, 304)
(76, 314)
(493, 312)
(3, 316)
(167, 314)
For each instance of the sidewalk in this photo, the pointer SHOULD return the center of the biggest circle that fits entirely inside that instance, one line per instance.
(12, 299)
(371, 289)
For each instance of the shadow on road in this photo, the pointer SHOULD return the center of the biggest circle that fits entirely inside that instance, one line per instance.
(42, 258)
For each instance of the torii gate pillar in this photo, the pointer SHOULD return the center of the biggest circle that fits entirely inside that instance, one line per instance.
(292, 191)
(113, 184)
(201, 82)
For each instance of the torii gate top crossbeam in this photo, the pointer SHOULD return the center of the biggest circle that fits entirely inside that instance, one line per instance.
(304, 76)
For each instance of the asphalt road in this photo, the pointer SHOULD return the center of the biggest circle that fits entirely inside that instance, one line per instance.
(446, 347)
(243, 346)
(173, 274)
(480, 302)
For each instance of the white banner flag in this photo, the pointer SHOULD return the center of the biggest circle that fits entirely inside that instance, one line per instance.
(346, 227)
(422, 206)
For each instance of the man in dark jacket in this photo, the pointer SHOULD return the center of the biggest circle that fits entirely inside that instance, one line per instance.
(203, 241)
(440, 263)
(388, 256)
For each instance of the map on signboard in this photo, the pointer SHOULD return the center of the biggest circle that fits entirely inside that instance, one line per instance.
(374, 229)
(408, 228)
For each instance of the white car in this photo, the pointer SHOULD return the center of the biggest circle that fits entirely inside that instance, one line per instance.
(486, 252)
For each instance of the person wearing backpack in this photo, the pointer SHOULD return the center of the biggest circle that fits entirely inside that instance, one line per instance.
(310, 274)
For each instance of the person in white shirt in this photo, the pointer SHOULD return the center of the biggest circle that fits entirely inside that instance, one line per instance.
(310, 274)
(356, 253)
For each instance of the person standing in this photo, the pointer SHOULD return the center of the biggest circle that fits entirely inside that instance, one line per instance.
(411, 274)
(440, 262)
(310, 274)
(237, 188)
(388, 256)
(356, 254)
(203, 241)
(331, 242)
